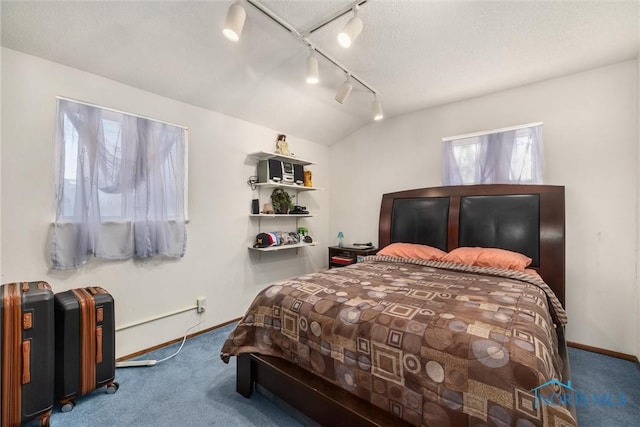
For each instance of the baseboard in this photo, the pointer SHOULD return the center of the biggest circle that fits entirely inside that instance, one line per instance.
(156, 347)
(629, 357)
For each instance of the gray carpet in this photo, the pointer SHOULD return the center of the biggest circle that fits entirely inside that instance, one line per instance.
(197, 389)
(616, 383)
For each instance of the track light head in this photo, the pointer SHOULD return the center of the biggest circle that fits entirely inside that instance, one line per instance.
(376, 107)
(350, 31)
(313, 76)
(235, 22)
(344, 91)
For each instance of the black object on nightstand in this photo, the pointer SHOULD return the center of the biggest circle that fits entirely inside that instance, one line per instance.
(341, 256)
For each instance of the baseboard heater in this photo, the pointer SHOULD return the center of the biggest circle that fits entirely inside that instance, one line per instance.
(135, 363)
(139, 363)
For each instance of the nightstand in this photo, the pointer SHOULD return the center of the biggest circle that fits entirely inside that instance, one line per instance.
(341, 256)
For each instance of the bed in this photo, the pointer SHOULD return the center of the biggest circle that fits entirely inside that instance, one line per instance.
(426, 339)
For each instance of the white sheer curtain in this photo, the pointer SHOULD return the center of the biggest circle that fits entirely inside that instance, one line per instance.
(505, 156)
(119, 187)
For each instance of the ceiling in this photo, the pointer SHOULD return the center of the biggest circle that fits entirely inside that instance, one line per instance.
(416, 54)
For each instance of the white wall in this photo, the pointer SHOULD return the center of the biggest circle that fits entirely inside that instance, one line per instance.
(217, 265)
(0, 169)
(638, 243)
(591, 147)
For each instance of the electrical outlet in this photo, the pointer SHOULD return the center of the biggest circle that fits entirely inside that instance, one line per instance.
(201, 303)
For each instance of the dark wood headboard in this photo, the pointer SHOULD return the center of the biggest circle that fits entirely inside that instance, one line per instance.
(524, 218)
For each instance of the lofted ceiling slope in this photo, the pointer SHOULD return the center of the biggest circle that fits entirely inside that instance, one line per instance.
(416, 54)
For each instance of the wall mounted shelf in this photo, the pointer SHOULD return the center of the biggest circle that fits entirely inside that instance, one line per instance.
(282, 247)
(280, 215)
(292, 187)
(264, 155)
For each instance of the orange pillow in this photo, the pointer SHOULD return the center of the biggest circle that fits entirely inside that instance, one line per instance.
(533, 272)
(412, 250)
(488, 257)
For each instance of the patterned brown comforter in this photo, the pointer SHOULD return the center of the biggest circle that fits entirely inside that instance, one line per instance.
(433, 343)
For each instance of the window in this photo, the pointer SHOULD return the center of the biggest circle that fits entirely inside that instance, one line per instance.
(120, 186)
(505, 156)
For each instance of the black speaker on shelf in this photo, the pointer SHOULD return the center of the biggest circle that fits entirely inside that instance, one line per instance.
(270, 170)
(298, 174)
(255, 206)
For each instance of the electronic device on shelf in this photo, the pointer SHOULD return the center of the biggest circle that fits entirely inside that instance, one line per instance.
(368, 245)
(298, 174)
(287, 172)
(299, 210)
(276, 171)
(270, 170)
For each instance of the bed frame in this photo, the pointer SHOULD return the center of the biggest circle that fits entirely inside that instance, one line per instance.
(525, 218)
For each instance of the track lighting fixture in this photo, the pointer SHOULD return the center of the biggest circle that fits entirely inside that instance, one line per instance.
(350, 31)
(235, 22)
(376, 107)
(312, 69)
(344, 91)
